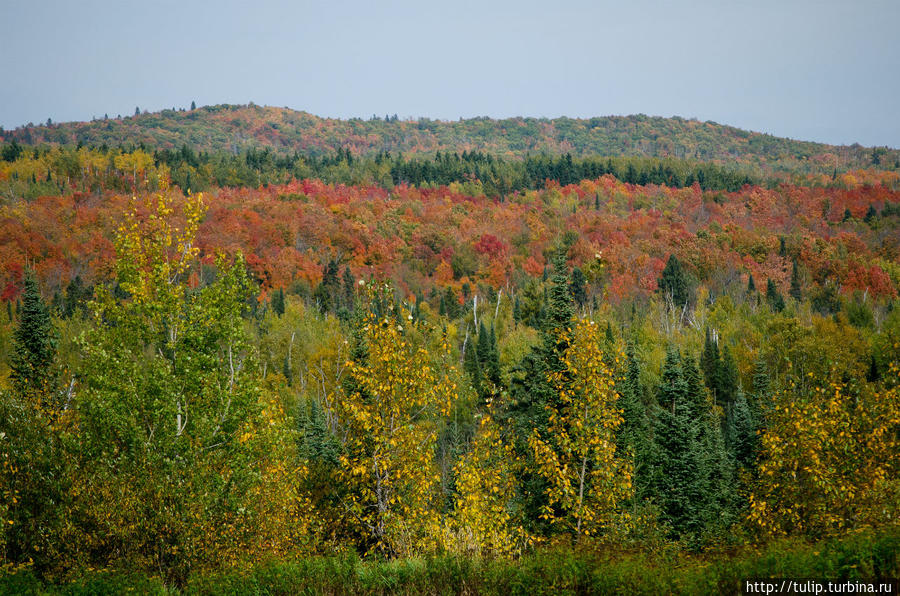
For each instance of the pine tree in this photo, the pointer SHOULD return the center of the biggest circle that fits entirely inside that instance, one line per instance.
(579, 294)
(193, 105)
(774, 297)
(350, 291)
(673, 282)
(740, 432)
(795, 291)
(726, 381)
(34, 344)
(532, 394)
(278, 301)
(709, 362)
(751, 285)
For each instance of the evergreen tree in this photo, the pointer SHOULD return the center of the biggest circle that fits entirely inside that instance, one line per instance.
(871, 214)
(675, 479)
(709, 361)
(774, 297)
(726, 380)
(531, 390)
(278, 301)
(579, 294)
(751, 285)
(350, 291)
(740, 432)
(193, 105)
(451, 303)
(673, 282)
(634, 432)
(34, 344)
(795, 291)
(286, 370)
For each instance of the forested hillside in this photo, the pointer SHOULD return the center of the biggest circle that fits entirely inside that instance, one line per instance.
(344, 370)
(232, 128)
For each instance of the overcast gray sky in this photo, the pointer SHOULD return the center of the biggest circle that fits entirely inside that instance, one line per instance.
(814, 70)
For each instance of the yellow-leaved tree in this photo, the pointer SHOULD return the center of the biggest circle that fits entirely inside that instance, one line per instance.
(389, 410)
(587, 480)
(485, 519)
(830, 460)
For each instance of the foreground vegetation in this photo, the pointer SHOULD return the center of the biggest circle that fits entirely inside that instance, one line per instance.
(558, 570)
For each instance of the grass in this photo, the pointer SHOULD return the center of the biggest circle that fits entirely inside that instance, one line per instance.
(580, 570)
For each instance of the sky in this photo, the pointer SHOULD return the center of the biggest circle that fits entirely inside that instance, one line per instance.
(822, 70)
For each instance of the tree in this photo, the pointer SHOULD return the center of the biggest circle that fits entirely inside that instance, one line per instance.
(34, 345)
(795, 292)
(829, 461)
(579, 294)
(278, 301)
(532, 393)
(774, 297)
(586, 480)
(176, 438)
(193, 105)
(740, 433)
(485, 519)
(673, 282)
(389, 412)
(751, 285)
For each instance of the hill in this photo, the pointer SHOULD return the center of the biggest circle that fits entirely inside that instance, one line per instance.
(234, 128)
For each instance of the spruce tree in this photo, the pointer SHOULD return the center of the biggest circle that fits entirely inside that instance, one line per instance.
(709, 361)
(349, 292)
(726, 381)
(740, 432)
(531, 390)
(674, 462)
(579, 293)
(34, 344)
(751, 285)
(673, 282)
(278, 301)
(774, 297)
(795, 292)
(634, 432)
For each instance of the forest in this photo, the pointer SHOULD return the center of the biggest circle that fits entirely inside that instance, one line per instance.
(445, 370)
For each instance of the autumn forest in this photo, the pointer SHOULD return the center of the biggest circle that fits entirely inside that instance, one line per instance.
(250, 350)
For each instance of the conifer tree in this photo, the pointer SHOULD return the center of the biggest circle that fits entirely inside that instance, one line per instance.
(579, 294)
(795, 292)
(34, 344)
(675, 461)
(532, 394)
(751, 285)
(673, 282)
(278, 301)
(774, 297)
(740, 432)
(726, 380)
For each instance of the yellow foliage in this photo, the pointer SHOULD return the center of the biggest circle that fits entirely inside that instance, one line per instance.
(484, 520)
(389, 415)
(830, 461)
(588, 481)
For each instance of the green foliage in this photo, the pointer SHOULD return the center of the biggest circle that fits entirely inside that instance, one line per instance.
(673, 282)
(31, 366)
